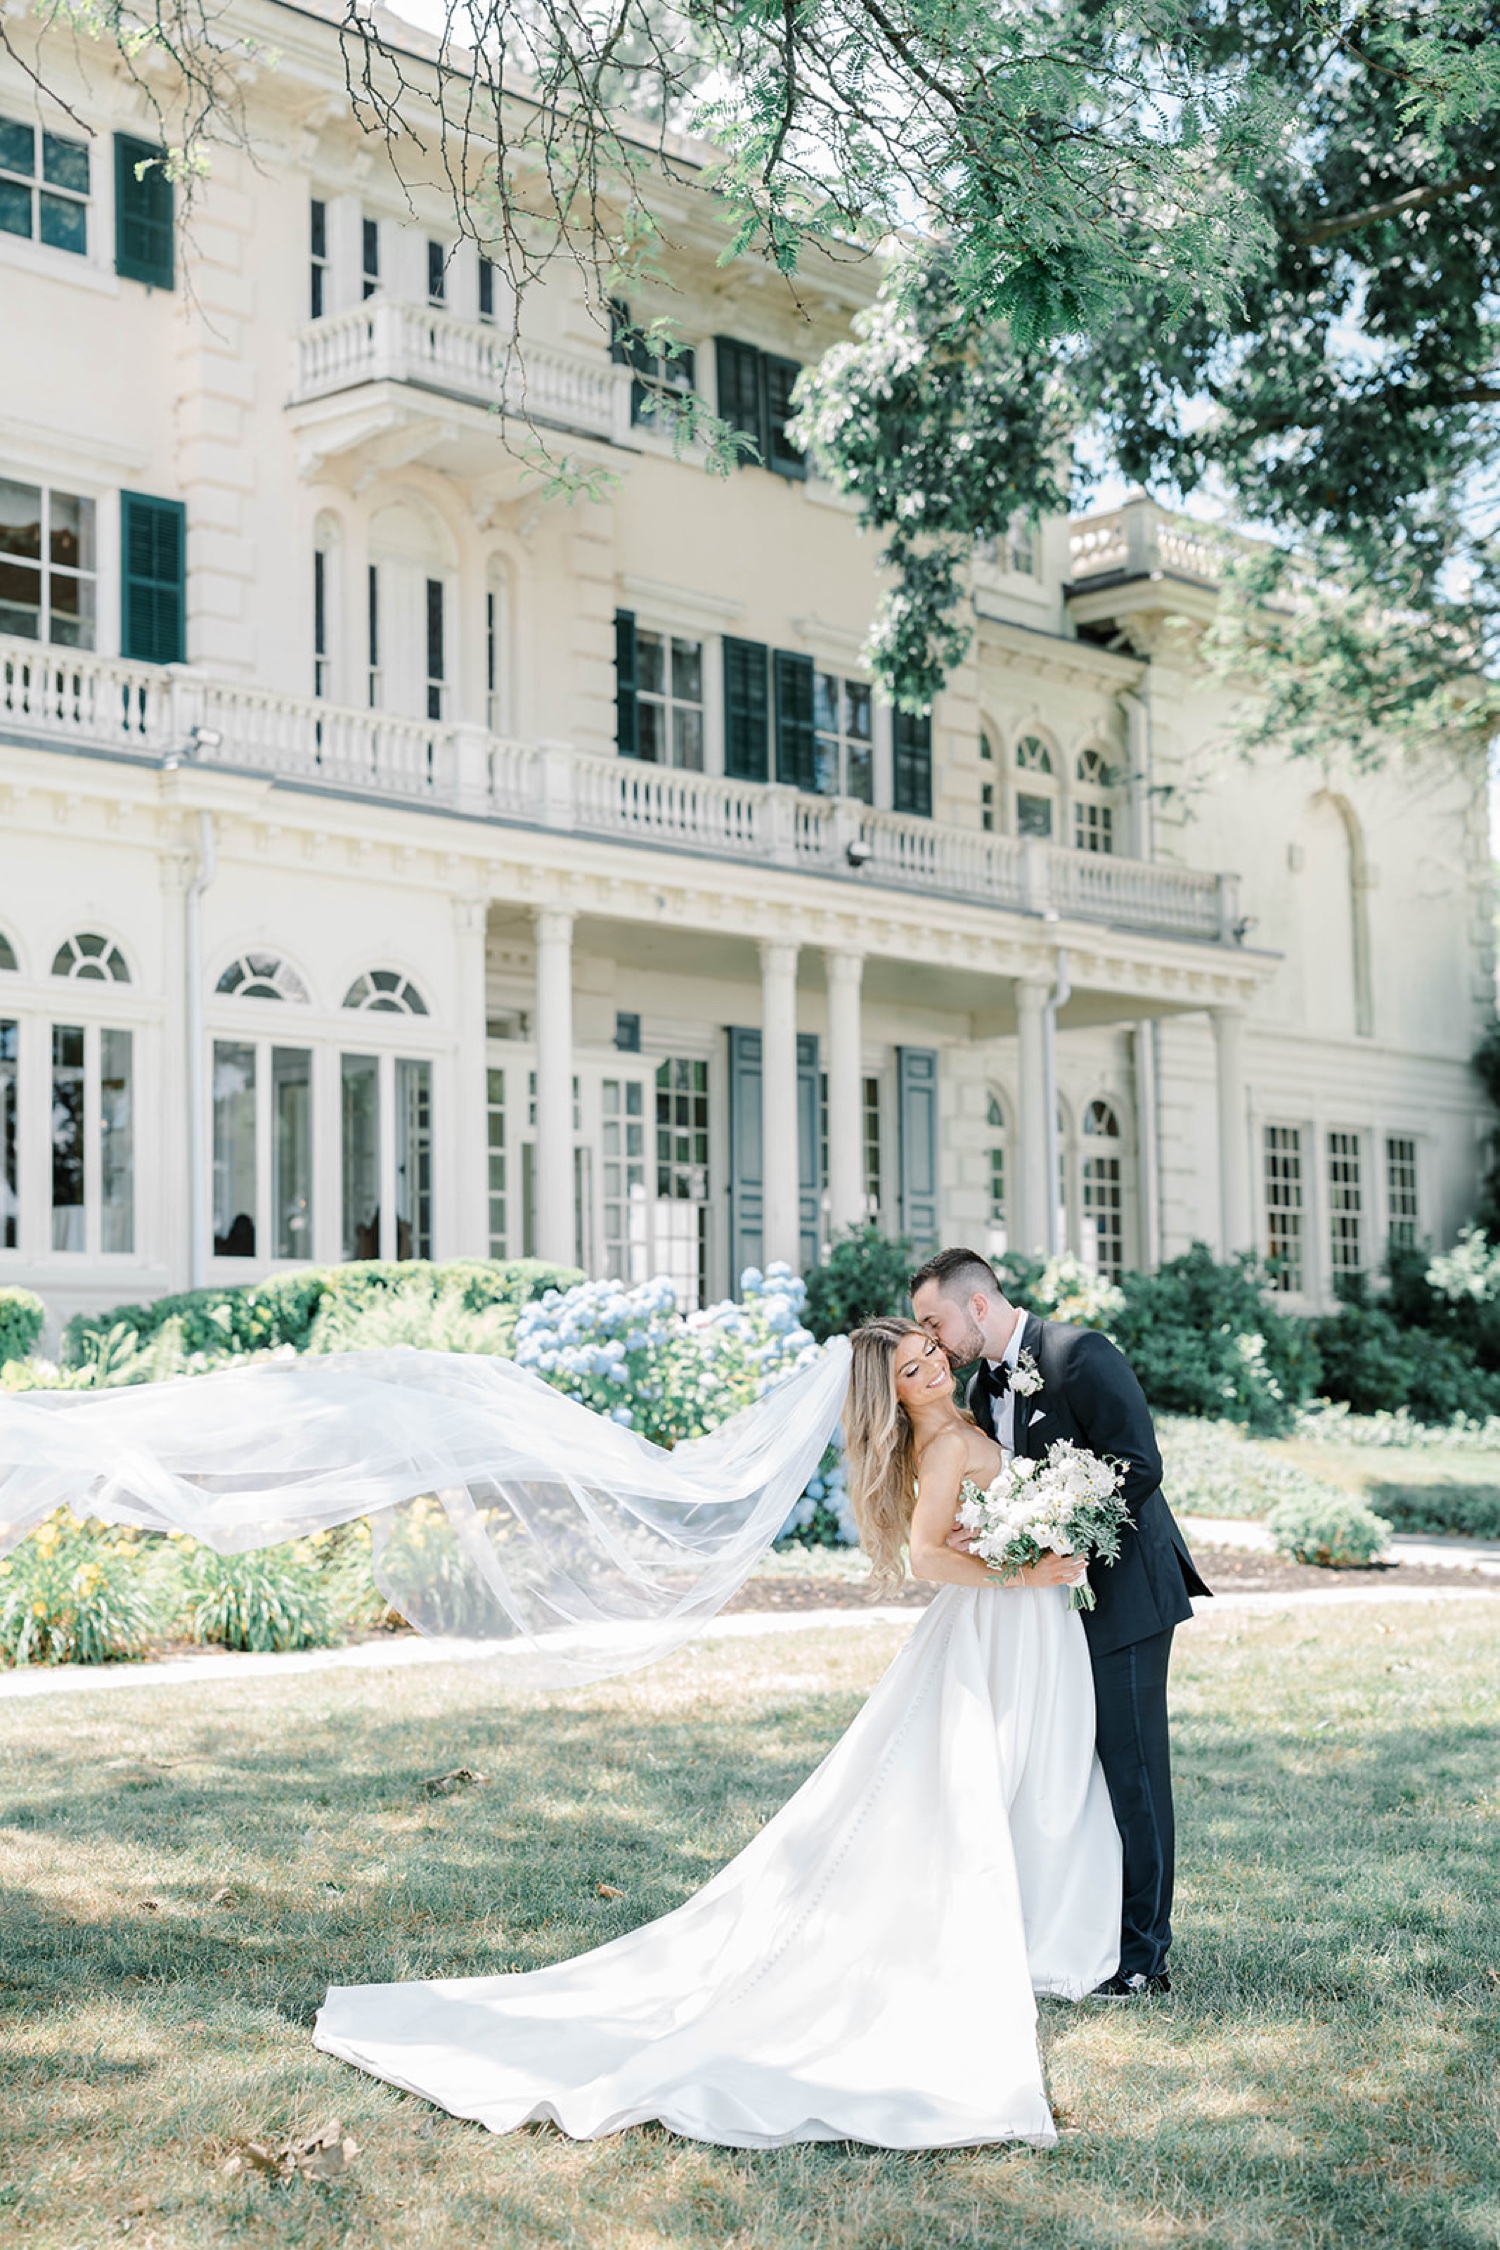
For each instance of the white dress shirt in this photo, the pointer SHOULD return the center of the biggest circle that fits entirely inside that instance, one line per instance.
(1005, 1421)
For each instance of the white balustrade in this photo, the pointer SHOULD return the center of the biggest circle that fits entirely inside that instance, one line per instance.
(65, 698)
(383, 340)
(1142, 539)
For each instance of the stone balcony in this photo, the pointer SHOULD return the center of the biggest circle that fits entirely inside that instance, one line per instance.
(1139, 560)
(56, 699)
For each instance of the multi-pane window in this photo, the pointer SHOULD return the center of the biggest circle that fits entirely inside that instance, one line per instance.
(1093, 812)
(870, 1115)
(90, 959)
(318, 275)
(320, 622)
(1035, 788)
(10, 1186)
(235, 1199)
(997, 1180)
(1103, 1193)
(359, 1141)
(291, 1152)
(486, 288)
(492, 686)
(372, 632)
(385, 992)
(47, 565)
(413, 1159)
(664, 375)
(68, 1137)
(437, 273)
(669, 700)
(263, 976)
(435, 655)
(627, 1234)
(44, 187)
(1345, 1207)
(843, 735)
(755, 395)
(93, 1147)
(1020, 546)
(116, 1141)
(495, 1154)
(262, 1150)
(1284, 1205)
(369, 257)
(386, 1182)
(1401, 1190)
(682, 1176)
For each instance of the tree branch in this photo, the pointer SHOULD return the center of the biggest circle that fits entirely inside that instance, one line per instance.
(1395, 207)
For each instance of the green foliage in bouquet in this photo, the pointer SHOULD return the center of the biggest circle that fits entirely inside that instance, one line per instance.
(1331, 1528)
(21, 1319)
(74, 1593)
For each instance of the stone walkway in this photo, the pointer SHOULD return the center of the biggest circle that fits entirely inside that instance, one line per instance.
(1429, 1553)
(392, 1652)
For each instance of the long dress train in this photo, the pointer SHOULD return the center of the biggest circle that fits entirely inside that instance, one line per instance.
(864, 1970)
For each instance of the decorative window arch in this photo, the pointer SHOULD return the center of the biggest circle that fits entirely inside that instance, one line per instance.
(1095, 795)
(385, 992)
(1036, 788)
(1102, 1196)
(90, 959)
(997, 1179)
(7, 953)
(262, 976)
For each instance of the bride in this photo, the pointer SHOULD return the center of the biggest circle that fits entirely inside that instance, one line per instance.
(865, 1969)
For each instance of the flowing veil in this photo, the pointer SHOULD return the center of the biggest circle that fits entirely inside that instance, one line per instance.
(502, 1512)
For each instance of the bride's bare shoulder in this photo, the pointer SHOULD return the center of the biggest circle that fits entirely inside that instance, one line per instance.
(945, 1452)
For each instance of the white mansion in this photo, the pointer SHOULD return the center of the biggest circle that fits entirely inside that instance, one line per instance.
(397, 863)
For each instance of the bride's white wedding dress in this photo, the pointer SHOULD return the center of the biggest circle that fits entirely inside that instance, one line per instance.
(864, 1970)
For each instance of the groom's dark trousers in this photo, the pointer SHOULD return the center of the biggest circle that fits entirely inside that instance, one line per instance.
(1089, 1394)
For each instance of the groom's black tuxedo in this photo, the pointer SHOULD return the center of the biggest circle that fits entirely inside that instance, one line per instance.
(1089, 1393)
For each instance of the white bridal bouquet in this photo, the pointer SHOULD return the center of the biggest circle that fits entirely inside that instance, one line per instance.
(1068, 1504)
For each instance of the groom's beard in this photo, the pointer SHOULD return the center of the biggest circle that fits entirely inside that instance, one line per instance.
(972, 1347)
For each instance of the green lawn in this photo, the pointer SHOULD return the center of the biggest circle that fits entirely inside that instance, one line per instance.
(1452, 1488)
(1325, 2074)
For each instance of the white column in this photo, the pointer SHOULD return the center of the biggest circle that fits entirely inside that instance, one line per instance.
(554, 1087)
(846, 1183)
(780, 1194)
(1234, 1140)
(463, 1219)
(1034, 1192)
(1148, 1154)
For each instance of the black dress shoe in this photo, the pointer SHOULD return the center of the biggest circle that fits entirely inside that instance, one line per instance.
(1135, 1987)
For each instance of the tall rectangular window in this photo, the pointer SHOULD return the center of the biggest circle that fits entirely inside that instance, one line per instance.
(1345, 1207)
(369, 234)
(495, 1151)
(291, 1151)
(755, 395)
(10, 1178)
(235, 1212)
(434, 622)
(320, 622)
(48, 568)
(874, 1180)
(1401, 1190)
(318, 277)
(437, 273)
(492, 660)
(144, 213)
(627, 1233)
(372, 632)
(911, 746)
(664, 374)
(669, 700)
(359, 1144)
(844, 738)
(44, 187)
(116, 1142)
(68, 1130)
(486, 288)
(413, 1159)
(747, 710)
(153, 604)
(681, 1248)
(1282, 1157)
(1103, 1216)
(796, 763)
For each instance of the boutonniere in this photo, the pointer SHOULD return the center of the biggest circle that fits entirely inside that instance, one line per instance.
(1027, 1378)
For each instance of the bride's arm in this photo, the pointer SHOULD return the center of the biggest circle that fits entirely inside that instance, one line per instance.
(933, 1518)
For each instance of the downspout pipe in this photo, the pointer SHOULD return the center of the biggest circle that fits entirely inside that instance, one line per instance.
(197, 1075)
(1061, 993)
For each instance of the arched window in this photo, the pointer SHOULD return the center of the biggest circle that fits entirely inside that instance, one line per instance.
(1036, 788)
(89, 957)
(7, 953)
(997, 1182)
(1103, 1193)
(1093, 803)
(385, 992)
(262, 976)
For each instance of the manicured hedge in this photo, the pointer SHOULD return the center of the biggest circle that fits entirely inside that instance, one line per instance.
(259, 1316)
(22, 1317)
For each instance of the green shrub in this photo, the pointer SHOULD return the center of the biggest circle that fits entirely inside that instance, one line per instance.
(1337, 1530)
(1214, 1469)
(411, 1314)
(1060, 1288)
(261, 1316)
(1204, 1338)
(1372, 1360)
(74, 1593)
(865, 1274)
(22, 1317)
(272, 1600)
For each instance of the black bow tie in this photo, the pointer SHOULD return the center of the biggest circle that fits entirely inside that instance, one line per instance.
(997, 1379)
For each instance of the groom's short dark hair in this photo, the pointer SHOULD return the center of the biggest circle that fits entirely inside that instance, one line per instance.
(958, 1274)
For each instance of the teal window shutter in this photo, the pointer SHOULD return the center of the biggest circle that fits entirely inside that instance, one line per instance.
(911, 745)
(153, 578)
(809, 1154)
(917, 1097)
(627, 730)
(796, 748)
(781, 455)
(144, 230)
(747, 716)
(741, 398)
(746, 1163)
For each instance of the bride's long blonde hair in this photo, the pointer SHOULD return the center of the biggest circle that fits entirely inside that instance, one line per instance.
(879, 1454)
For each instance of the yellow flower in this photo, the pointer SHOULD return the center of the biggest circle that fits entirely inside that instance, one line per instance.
(39, 1609)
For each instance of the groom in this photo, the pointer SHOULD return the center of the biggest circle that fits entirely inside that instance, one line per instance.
(1037, 1381)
